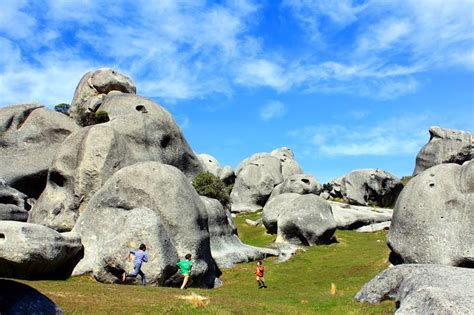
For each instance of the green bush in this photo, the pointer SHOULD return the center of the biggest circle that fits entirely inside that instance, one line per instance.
(209, 185)
(62, 108)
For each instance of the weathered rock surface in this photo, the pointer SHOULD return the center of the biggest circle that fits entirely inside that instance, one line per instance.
(19, 298)
(90, 156)
(445, 146)
(226, 247)
(423, 289)
(258, 175)
(374, 227)
(361, 187)
(94, 86)
(211, 165)
(433, 220)
(299, 184)
(31, 251)
(299, 219)
(29, 137)
(14, 205)
(150, 203)
(349, 217)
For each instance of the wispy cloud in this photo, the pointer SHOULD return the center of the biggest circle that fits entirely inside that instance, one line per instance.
(272, 110)
(390, 137)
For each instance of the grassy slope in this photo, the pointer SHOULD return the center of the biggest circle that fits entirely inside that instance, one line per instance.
(300, 286)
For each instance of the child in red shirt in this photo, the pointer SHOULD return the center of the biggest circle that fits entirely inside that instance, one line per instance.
(259, 273)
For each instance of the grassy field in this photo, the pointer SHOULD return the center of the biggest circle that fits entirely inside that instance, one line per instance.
(299, 286)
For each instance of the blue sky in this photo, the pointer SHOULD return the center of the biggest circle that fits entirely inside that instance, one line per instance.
(345, 84)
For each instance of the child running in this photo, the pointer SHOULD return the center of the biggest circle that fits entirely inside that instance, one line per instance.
(140, 257)
(259, 272)
(186, 265)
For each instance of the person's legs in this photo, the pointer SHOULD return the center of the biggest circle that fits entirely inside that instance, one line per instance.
(263, 282)
(143, 277)
(136, 270)
(185, 281)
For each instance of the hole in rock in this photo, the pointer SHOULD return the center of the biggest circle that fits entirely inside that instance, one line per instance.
(432, 185)
(306, 181)
(165, 141)
(2, 237)
(141, 108)
(57, 178)
(8, 200)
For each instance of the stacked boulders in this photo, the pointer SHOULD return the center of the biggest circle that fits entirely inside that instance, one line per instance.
(432, 231)
(211, 164)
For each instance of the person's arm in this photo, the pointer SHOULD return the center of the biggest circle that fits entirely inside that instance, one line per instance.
(145, 257)
(130, 255)
(190, 268)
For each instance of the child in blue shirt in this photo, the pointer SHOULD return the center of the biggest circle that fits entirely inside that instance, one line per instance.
(140, 257)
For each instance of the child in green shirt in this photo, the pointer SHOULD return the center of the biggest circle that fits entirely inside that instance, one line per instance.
(186, 265)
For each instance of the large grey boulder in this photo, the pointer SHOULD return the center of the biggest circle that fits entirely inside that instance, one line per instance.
(226, 247)
(257, 175)
(423, 289)
(29, 137)
(19, 298)
(150, 203)
(299, 183)
(211, 164)
(139, 130)
(445, 146)
(334, 187)
(433, 220)
(350, 217)
(255, 182)
(364, 186)
(14, 205)
(299, 219)
(32, 251)
(94, 86)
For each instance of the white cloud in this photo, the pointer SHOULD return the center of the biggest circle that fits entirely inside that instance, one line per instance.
(397, 136)
(272, 110)
(263, 73)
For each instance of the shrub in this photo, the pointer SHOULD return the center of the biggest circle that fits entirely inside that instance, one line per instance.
(90, 118)
(101, 116)
(209, 185)
(62, 108)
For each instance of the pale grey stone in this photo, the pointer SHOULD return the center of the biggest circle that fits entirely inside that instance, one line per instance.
(374, 227)
(350, 217)
(433, 220)
(445, 146)
(299, 183)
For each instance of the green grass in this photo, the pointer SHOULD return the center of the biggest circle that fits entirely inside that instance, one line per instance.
(299, 286)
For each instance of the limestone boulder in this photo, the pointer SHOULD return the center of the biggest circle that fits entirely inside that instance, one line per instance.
(19, 298)
(211, 164)
(422, 289)
(445, 146)
(227, 175)
(32, 251)
(300, 184)
(255, 182)
(14, 205)
(29, 138)
(433, 218)
(226, 247)
(367, 186)
(139, 130)
(299, 219)
(334, 187)
(289, 166)
(350, 217)
(94, 86)
(150, 203)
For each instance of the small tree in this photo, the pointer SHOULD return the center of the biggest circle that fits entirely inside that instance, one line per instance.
(62, 108)
(209, 185)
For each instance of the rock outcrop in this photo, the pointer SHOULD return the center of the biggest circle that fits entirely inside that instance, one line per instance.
(150, 203)
(14, 205)
(433, 218)
(423, 289)
(445, 146)
(349, 217)
(94, 86)
(367, 186)
(211, 164)
(19, 298)
(226, 247)
(299, 219)
(258, 175)
(138, 130)
(299, 184)
(32, 251)
(29, 137)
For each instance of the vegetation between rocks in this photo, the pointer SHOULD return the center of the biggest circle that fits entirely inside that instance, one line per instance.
(320, 280)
